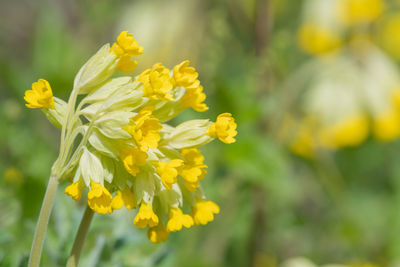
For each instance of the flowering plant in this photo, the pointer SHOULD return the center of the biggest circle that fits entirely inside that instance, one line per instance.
(116, 143)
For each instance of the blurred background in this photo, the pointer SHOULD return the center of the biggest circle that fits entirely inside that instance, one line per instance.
(314, 177)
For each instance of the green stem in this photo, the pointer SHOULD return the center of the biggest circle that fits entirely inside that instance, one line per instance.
(40, 232)
(80, 238)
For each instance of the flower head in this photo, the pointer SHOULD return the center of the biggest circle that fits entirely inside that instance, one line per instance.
(157, 82)
(40, 96)
(125, 48)
(224, 128)
(203, 212)
(127, 154)
(177, 220)
(99, 199)
(146, 216)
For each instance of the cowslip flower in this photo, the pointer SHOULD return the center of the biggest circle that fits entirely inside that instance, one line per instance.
(127, 155)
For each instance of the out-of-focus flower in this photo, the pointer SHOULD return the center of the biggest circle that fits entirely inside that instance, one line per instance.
(127, 155)
(353, 12)
(346, 102)
(389, 35)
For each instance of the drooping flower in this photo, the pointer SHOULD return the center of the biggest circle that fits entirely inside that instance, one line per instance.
(177, 220)
(124, 197)
(146, 216)
(41, 95)
(203, 212)
(157, 234)
(75, 190)
(168, 172)
(99, 198)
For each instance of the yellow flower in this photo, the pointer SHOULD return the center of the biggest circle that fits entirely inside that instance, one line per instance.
(145, 216)
(194, 99)
(145, 129)
(157, 82)
(350, 131)
(203, 212)
(158, 234)
(133, 158)
(185, 76)
(390, 35)
(40, 96)
(168, 171)
(124, 197)
(353, 12)
(316, 39)
(386, 126)
(75, 190)
(224, 128)
(177, 220)
(125, 48)
(193, 169)
(99, 199)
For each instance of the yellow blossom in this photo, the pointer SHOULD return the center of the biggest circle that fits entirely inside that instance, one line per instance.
(145, 216)
(350, 131)
(359, 11)
(125, 48)
(99, 199)
(133, 158)
(193, 169)
(157, 234)
(386, 126)
(194, 99)
(145, 129)
(168, 171)
(41, 95)
(316, 39)
(124, 197)
(203, 212)
(157, 82)
(177, 220)
(185, 76)
(75, 190)
(224, 128)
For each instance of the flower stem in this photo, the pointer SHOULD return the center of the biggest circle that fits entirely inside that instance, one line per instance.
(40, 232)
(80, 238)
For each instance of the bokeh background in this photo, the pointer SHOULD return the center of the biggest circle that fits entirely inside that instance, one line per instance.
(314, 177)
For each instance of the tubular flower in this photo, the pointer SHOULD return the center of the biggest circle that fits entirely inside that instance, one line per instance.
(117, 142)
(185, 76)
(133, 158)
(124, 197)
(145, 216)
(40, 96)
(158, 234)
(157, 82)
(145, 129)
(99, 199)
(125, 48)
(177, 220)
(194, 99)
(224, 128)
(168, 172)
(194, 169)
(203, 212)
(75, 190)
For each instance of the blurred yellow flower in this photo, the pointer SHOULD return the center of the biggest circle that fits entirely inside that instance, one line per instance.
(224, 128)
(390, 35)
(315, 39)
(146, 216)
(353, 12)
(13, 176)
(203, 212)
(177, 220)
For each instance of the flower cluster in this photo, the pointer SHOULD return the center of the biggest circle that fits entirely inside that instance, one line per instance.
(127, 155)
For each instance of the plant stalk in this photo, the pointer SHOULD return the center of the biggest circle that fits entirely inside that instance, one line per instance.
(41, 227)
(80, 237)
